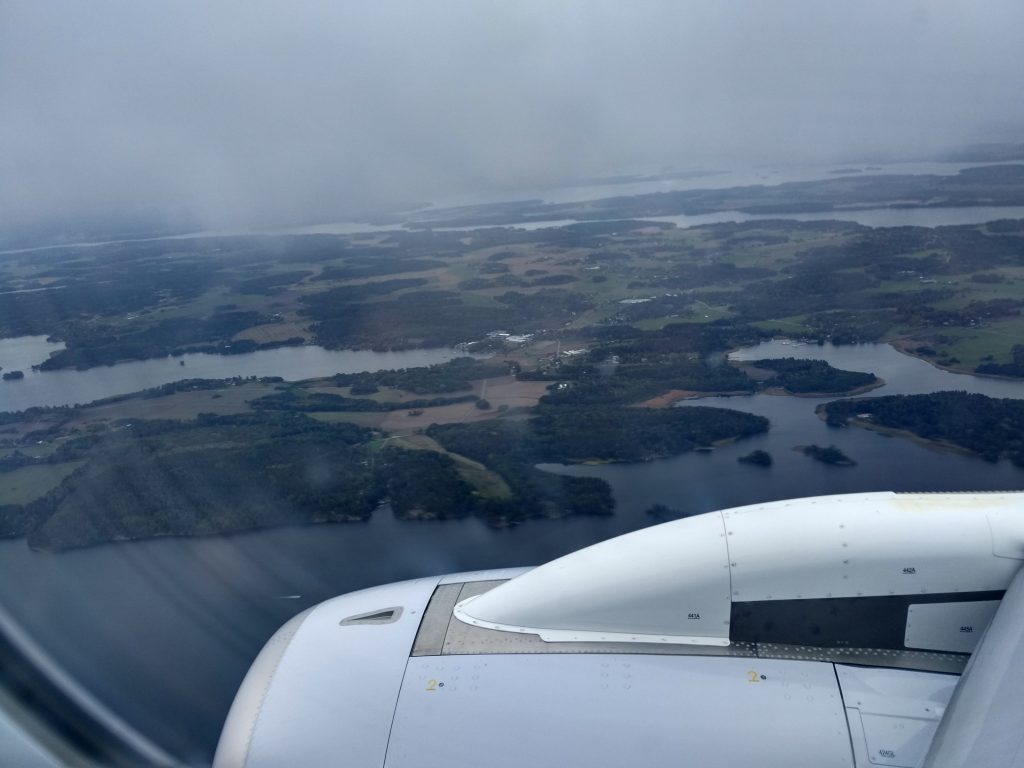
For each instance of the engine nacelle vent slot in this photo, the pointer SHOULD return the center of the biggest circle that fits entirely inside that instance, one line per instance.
(382, 616)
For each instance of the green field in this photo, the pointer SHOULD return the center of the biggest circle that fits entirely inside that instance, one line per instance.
(486, 483)
(29, 483)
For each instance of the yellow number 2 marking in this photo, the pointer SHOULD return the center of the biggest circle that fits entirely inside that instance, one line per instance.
(754, 677)
(431, 685)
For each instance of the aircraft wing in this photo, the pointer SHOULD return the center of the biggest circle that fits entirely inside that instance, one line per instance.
(983, 727)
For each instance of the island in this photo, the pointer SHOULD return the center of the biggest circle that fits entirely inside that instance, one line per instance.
(830, 455)
(813, 378)
(757, 458)
(990, 427)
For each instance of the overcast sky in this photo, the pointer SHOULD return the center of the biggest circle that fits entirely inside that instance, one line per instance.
(249, 112)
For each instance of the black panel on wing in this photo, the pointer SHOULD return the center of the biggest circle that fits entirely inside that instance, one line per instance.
(835, 622)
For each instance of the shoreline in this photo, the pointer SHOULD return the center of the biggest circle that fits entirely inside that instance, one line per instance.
(782, 392)
(964, 371)
(898, 343)
(673, 396)
(199, 536)
(939, 446)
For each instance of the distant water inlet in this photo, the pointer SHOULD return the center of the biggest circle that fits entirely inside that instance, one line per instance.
(868, 217)
(903, 374)
(68, 387)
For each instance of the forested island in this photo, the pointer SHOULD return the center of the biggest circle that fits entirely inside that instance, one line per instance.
(757, 458)
(990, 427)
(814, 377)
(828, 455)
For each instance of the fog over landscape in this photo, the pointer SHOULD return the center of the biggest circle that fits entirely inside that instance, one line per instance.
(260, 113)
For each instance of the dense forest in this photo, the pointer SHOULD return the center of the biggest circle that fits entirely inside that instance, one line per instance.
(991, 427)
(757, 458)
(577, 433)
(426, 485)
(1014, 368)
(298, 399)
(812, 376)
(178, 478)
(588, 386)
(453, 376)
(511, 448)
(580, 433)
(167, 337)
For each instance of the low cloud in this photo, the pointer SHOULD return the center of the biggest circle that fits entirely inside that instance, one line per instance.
(258, 113)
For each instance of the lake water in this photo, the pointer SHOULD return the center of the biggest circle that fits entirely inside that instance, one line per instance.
(68, 387)
(164, 630)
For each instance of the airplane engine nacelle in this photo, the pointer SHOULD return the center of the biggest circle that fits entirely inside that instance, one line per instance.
(877, 570)
(828, 631)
